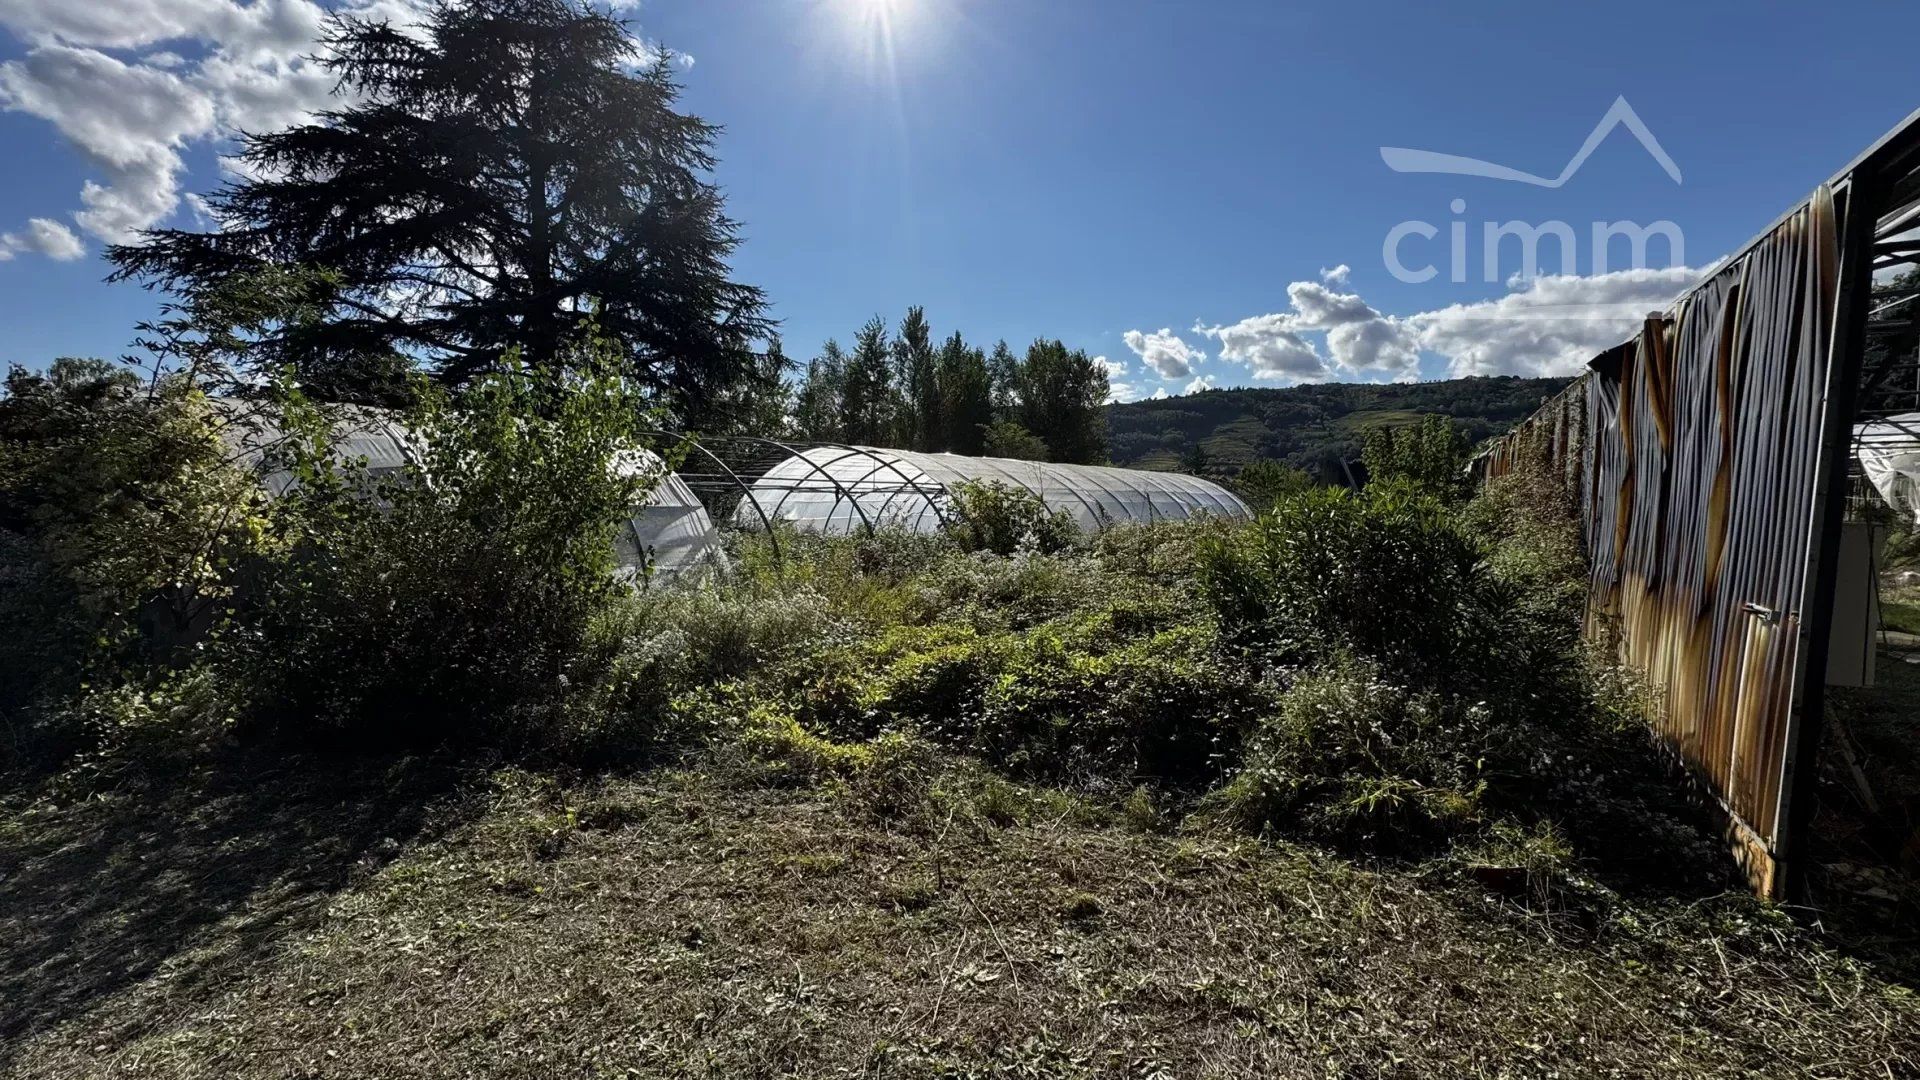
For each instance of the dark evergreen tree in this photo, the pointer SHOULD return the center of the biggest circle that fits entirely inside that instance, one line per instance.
(966, 396)
(915, 371)
(819, 409)
(1195, 460)
(868, 406)
(481, 186)
(1003, 368)
(760, 403)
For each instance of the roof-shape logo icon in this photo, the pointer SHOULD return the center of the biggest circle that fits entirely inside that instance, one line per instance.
(1402, 159)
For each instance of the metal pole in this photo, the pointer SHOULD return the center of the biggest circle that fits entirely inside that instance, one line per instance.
(1800, 769)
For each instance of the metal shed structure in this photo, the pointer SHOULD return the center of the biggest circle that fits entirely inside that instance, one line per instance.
(1711, 454)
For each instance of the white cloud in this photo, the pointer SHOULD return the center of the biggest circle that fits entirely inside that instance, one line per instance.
(1116, 389)
(1164, 352)
(1159, 394)
(1542, 326)
(129, 120)
(1360, 341)
(93, 71)
(1549, 325)
(121, 115)
(1336, 277)
(113, 24)
(45, 236)
(1270, 346)
(1203, 382)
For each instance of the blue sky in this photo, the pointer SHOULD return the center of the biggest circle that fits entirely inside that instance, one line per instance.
(1078, 169)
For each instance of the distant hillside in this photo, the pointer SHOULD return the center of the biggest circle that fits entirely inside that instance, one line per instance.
(1311, 427)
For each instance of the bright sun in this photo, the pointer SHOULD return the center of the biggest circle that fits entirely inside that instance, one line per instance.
(874, 9)
(880, 37)
(874, 16)
(874, 29)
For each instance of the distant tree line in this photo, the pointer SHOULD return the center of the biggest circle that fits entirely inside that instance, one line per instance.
(902, 390)
(1320, 429)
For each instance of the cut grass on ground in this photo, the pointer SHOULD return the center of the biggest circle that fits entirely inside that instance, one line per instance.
(307, 919)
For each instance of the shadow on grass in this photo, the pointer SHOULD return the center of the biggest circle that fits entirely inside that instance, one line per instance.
(1865, 845)
(188, 874)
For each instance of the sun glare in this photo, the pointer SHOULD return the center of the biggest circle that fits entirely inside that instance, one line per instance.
(876, 27)
(873, 10)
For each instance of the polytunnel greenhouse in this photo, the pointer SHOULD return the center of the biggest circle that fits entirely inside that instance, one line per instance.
(844, 489)
(671, 527)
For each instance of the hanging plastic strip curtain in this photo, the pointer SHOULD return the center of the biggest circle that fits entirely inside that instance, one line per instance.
(1889, 453)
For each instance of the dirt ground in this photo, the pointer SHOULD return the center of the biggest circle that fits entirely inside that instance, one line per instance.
(300, 918)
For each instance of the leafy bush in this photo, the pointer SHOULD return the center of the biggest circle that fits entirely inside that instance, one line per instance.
(122, 526)
(1534, 533)
(461, 603)
(991, 516)
(1263, 482)
(1161, 552)
(1007, 439)
(1353, 756)
(1388, 575)
(1077, 700)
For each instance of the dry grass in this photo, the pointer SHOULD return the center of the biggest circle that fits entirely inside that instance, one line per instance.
(296, 920)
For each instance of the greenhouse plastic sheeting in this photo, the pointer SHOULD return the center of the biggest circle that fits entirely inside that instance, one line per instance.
(671, 524)
(839, 490)
(1889, 453)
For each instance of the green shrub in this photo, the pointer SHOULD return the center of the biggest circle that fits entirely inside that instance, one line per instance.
(988, 592)
(1354, 757)
(1263, 482)
(1388, 575)
(122, 525)
(1430, 456)
(1162, 552)
(992, 516)
(459, 604)
(1533, 533)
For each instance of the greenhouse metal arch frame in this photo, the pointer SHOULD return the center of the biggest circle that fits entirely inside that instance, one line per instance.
(835, 487)
(741, 480)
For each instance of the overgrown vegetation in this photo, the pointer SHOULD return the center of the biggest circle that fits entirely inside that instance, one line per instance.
(1369, 694)
(312, 768)
(468, 598)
